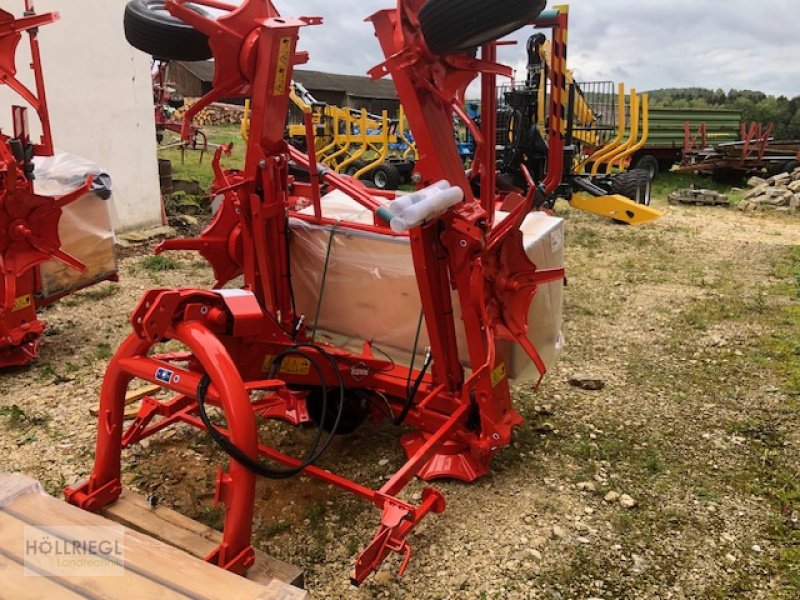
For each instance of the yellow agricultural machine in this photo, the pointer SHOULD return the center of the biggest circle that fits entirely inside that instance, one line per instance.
(377, 149)
(600, 128)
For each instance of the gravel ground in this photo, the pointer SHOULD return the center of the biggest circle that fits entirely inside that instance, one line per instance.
(677, 480)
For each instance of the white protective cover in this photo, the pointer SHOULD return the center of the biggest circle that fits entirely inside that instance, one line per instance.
(86, 226)
(371, 289)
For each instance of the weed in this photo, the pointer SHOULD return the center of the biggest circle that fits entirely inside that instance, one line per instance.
(19, 419)
(103, 351)
(158, 264)
(212, 516)
(276, 528)
(101, 292)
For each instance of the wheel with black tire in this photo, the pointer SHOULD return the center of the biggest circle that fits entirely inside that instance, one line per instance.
(354, 412)
(354, 167)
(452, 26)
(648, 163)
(150, 28)
(633, 184)
(385, 177)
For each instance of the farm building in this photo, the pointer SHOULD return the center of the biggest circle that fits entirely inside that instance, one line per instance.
(193, 79)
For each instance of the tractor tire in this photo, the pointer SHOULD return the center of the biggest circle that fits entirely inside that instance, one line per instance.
(385, 177)
(648, 163)
(354, 413)
(453, 26)
(354, 167)
(633, 184)
(149, 27)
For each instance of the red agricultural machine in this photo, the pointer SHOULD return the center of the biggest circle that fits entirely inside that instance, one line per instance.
(29, 222)
(252, 352)
(166, 99)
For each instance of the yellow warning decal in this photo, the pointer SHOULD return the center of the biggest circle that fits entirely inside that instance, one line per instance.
(282, 67)
(22, 302)
(498, 374)
(290, 365)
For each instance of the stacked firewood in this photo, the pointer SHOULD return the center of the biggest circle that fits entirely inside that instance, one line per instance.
(216, 114)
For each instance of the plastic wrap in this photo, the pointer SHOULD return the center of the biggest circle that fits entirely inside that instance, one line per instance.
(371, 290)
(86, 226)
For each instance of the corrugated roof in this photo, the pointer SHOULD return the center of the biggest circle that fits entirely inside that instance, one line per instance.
(352, 85)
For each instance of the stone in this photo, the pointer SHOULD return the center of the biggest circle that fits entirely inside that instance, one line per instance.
(756, 181)
(586, 486)
(559, 532)
(626, 501)
(757, 191)
(384, 577)
(727, 537)
(755, 548)
(586, 381)
(611, 496)
(730, 558)
(794, 186)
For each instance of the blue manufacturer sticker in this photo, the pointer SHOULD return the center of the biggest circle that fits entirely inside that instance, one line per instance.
(164, 375)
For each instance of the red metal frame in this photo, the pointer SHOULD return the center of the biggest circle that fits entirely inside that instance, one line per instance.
(28, 222)
(460, 420)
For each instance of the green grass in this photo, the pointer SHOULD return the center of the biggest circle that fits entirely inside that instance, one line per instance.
(159, 263)
(188, 165)
(19, 419)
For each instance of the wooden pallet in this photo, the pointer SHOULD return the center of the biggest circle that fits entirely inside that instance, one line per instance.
(171, 527)
(152, 569)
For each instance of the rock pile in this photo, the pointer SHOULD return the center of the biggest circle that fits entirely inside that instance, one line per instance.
(780, 193)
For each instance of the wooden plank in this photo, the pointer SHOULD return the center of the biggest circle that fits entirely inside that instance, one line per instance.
(130, 398)
(19, 586)
(153, 569)
(12, 534)
(171, 527)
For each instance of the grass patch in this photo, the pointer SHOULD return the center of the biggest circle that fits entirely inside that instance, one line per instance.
(158, 264)
(103, 351)
(101, 292)
(19, 419)
(276, 528)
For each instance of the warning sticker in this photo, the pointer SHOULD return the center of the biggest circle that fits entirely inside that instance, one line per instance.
(22, 302)
(498, 374)
(290, 365)
(282, 67)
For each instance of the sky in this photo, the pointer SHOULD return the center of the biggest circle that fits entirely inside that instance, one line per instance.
(648, 44)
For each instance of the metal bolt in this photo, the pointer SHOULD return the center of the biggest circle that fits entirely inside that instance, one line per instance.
(463, 243)
(496, 436)
(203, 310)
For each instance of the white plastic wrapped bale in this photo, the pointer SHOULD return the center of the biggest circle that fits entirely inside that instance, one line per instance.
(371, 289)
(86, 226)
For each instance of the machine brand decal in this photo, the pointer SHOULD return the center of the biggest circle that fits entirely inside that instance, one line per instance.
(164, 375)
(282, 67)
(359, 371)
(22, 302)
(498, 374)
(290, 365)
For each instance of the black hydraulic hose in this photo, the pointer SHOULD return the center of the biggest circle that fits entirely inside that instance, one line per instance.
(400, 419)
(314, 452)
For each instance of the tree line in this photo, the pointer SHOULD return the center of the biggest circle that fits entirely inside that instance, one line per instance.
(755, 106)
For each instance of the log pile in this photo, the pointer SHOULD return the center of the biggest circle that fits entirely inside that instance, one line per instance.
(215, 115)
(780, 193)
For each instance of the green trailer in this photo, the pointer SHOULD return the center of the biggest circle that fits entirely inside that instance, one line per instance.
(665, 142)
